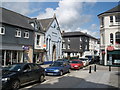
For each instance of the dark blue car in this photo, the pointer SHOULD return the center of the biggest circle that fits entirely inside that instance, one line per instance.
(58, 68)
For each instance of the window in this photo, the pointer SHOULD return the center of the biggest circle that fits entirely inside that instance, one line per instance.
(111, 38)
(86, 47)
(80, 39)
(38, 39)
(2, 30)
(102, 21)
(117, 18)
(26, 34)
(111, 19)
(80, 46)
(18, 33)
(68, 39)
(68, 46)
(117, 36)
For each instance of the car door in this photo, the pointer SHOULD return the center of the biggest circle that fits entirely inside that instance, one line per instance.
(66, 66)
(26, 74)
(35, 72)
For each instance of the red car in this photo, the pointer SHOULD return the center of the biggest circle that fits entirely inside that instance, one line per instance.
(76, 64)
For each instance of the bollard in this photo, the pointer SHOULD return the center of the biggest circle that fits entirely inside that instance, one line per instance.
(95, 68)
(90, 69)
(109, 68)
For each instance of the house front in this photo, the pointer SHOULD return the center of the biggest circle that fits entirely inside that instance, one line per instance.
(110, 36)
(53, 38)
(17, 38)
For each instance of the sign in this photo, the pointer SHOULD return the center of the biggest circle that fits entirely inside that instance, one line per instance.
(25, 47)
(44, 45)
(110, 48)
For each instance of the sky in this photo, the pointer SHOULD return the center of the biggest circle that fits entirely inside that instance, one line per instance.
(72, 16)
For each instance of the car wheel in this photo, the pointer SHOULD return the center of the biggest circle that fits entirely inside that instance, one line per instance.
(61, 73)
(15, 85)
(42, 78)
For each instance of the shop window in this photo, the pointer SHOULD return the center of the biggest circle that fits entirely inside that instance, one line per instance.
(2, 30)
(26, 34)
(18, 33)
(111, 38)
(117, 36)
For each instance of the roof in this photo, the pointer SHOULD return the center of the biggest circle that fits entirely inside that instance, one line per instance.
(113, 10)
(15, 19)
(45, 23)
(67, 34)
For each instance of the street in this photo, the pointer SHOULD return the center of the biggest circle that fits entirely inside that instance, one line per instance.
(102, 78)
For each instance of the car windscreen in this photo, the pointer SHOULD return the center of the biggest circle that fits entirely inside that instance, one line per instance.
(74, 62)
(82, 59)
(57, 64)
(15, 67)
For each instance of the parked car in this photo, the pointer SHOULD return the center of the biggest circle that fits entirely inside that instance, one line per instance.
(58, 68)
(85, 61)
(76, 64)
(20, 74)
(63, 60)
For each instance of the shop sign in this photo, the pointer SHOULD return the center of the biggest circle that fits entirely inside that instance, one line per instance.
(25, 47)
(110, 48)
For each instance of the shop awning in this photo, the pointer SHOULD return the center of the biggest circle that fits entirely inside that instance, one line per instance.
(114, 52)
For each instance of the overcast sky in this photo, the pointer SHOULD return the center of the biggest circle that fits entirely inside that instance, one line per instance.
(72, 16)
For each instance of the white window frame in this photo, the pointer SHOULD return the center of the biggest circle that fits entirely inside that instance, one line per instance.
(17, 35)
(26, 34)
(38, 44)
(68, 39)
(68, 46)
(3, 30)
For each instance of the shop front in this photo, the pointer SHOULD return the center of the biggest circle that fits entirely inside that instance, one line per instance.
(15, 54)
(113, 57)
(38, 56)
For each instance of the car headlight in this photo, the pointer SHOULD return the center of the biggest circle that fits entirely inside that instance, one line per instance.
(56, 70)
(45, 69)
(5, 79)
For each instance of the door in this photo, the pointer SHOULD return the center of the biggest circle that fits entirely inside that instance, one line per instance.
(26, 74)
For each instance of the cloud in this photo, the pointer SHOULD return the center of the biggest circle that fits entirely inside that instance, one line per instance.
(20, 7)
(70, 15)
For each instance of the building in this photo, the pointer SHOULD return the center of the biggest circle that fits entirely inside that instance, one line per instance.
(39, 41)
(78, 44)
(17, 37)
(53, 38)
(110, 36)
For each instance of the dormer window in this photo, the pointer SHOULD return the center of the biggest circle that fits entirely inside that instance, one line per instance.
(18, 33)
(2, 30)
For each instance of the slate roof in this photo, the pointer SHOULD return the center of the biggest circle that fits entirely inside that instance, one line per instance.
(71, 34)
(16, 19)
(45, 23)
(113, 10)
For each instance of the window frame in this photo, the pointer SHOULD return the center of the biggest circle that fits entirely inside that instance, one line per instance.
(17, 32)
(25, 34)
(3, 27)
(37, 40)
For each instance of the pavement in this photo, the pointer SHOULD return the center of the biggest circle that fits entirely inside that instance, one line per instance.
(102, 78)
